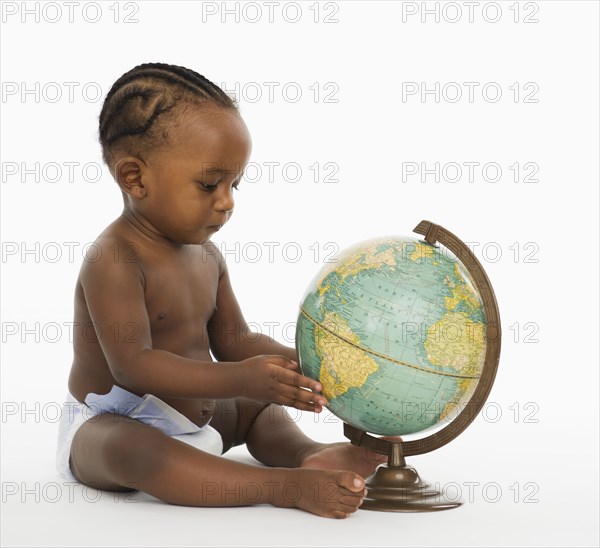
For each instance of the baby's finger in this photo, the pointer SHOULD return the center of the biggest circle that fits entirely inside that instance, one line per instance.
(311, 384)
(305, 406)
(296, 394)
(295, 379)
(283, 361)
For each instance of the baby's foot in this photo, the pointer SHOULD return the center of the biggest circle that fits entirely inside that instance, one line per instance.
(327, 493)
(345, 456)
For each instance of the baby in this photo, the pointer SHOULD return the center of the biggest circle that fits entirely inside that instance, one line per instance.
(148, 407)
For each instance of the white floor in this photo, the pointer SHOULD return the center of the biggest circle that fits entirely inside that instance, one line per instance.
(509, 501)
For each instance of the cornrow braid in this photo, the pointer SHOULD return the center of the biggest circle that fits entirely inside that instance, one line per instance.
(132, 110)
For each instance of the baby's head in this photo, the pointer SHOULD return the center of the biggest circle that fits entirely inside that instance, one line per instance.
(177, 146)
(143, 104)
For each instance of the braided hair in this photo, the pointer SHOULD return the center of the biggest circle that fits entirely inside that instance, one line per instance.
(133, 113)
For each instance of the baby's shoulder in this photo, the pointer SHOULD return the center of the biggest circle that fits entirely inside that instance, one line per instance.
(112, 253)
(211, 252)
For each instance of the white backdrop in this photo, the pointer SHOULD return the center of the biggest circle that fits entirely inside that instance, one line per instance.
(366, 118)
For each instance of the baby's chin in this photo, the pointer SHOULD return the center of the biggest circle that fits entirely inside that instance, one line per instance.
(201, 240)
(197, 241)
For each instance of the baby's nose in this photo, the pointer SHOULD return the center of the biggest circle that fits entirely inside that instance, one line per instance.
(224, 200)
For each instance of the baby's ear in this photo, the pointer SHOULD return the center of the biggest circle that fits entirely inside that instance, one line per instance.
(128, 174)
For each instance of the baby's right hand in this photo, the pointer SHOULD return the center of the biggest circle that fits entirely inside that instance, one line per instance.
(275, 379)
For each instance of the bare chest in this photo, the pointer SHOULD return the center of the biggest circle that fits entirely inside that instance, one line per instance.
(181, 296)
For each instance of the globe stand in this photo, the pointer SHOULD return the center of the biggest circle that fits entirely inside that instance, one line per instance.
(396, 487)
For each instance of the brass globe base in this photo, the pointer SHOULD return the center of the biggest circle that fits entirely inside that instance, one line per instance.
(400, 489)
(395, 487)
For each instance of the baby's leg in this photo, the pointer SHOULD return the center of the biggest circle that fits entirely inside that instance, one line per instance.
(273, 438)
(113, 452)
(271, 435)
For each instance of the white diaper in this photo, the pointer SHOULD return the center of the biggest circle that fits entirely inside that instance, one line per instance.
(149, 410)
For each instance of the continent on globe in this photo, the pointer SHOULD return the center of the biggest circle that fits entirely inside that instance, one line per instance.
(343, 365)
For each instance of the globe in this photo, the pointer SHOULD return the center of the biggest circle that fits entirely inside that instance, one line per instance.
(404, 336)
(393, 328)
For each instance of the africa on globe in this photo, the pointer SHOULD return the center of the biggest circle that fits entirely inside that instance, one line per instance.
(394, 329)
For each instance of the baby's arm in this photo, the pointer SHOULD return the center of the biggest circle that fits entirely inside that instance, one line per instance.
(114, 293)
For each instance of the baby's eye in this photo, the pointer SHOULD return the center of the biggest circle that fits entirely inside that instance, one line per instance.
(206, 187)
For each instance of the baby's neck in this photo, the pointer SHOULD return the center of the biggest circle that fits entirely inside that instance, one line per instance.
(145, 229)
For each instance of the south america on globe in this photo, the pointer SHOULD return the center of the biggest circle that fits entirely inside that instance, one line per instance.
(394, 329)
